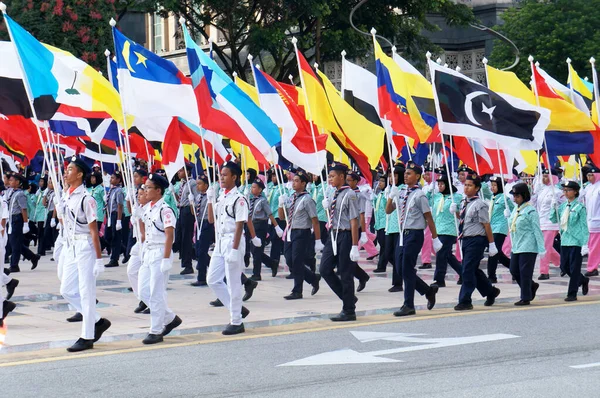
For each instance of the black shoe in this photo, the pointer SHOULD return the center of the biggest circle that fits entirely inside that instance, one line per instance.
(146, 311)
(130, 289)
(372, 257)
(395, 288)
(256, 278)
(459, 281)
(153, 339)
(15, 269)
(379, 271)
(187, 271)
(493, 279)
(430, 296)
(125, 260)
(245, 312)
(405, 311)
(112, 264)
(76, 318)
(10, 288)
(425, 266)
(570, 298)
(463, 307)
(81, 345)
(591, 273)
(544, 277)
(562, 274)
(585, 286)
(7, 308)
(249, 288)
(34, 261)
(274, 269)
(362, 284)
(172, 325)
(140, 308)
(290, 276)
(7, 271)
(315, 285)
(293, 296)
(441, 283)
(216, 303)
(343, 317)
(491, 298)
(100, 327)
(198, 283)
(534, 289)
(522, 302)
(233, 329)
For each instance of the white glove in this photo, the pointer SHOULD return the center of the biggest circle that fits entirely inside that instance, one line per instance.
(492, 249)
(128, 196)
(105, 198)
(166, 264)
(119, 225)
(394, 193)
(56, 201)
(553, 203)
(232, 256)
(318, 245)
(326, 203)
(585, 250)
(282, 200)
(453, 208)
(279, 231)
(437, 245)
(58, 226)
(354, 255)
(506, 213)
(98, 267)
(256, 241)
(211, 195)
(191, 198)
(363, 238)
(137, 212)
(53, 223)
(26, 228)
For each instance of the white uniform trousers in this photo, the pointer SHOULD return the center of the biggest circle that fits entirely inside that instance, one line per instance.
(78, 284)
(4, 279)
(229, 293)
(56, 254)
(133, 269)
(152, 288)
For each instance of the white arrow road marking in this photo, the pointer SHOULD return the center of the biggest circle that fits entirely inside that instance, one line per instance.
(348, 356)
(585, 366)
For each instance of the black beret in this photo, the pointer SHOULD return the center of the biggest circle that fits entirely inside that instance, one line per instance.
(337, 166)
(427, 168)
(554, 171)
(160, 171)
(496, 179)
(571, 184)
(159, 180)
(414, 167)
(303, 175)
(81, 164)
(141, 172)
(592, 170)
(234, 167)
(259, 182)
(203, 178)
(519, 189)
(354, 175)
(475, 178)
(465, 168)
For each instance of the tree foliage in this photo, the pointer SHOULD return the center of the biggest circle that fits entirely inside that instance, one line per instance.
(265, 28)
(551, 31)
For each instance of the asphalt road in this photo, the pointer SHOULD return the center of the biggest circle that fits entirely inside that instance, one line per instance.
(529, 354)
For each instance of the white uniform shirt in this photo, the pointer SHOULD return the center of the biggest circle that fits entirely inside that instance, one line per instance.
(543, 204)
(79, 211)
(592, 205)
(366, 191)
(157, 217)
(231, 208)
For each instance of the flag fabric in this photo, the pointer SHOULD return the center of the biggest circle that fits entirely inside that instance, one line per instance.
(21, 134)
(13, 97)
(297, 144)
(255, 128)
(97, 129)
(469, 109)
(563, 91)
(580, 87)
(485, 160)
(192, 134)
(359, 88)
(172, 150)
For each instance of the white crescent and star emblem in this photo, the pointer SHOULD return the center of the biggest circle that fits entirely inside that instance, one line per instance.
(469, 107)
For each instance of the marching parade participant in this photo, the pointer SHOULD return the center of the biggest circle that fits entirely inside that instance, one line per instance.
(574, 234)
(81, 257)
(205, 236)
(527, 242)
(415, 215)
(135, 260)
(114, 203)
(428, 187)
(18, 224)
(260, 214)
(229, 214)
(592, 205)
(352, 180)
(392, 229)
(499, 215)
(379, 203)
(299, 242)
(157, 259)
(186, 195)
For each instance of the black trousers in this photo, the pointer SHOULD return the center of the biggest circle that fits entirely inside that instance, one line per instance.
(383, 254)
(114, 237)
(16, 242)
(498, 258)
(261, 228)
(392, 246)
(185, 234)
(445, 257)
(324, 232)
(570, 264)
(473, 278)
(296, 255)
(207, 238)
(407, 262)
(276, 242)
(48, 237)
(342, 285)
(521, 269)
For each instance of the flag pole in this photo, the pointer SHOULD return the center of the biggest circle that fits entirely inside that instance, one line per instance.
(432, 73)
(595, 83)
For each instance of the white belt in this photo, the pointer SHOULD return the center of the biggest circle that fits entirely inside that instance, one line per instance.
(81, 237)
(154, 245)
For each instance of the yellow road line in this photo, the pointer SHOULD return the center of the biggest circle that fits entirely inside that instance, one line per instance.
(257, 333)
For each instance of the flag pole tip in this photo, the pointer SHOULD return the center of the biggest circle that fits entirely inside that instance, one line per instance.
(394, 49)
(484, 60)
(445, 65)
(316, 65)
(428, 55)
(210, 39)
(294, 40)
(592, 60)
(234, 74)
(250, 57)
(438, 61)
(2, 7)
(258, 66)
(107, 53)
(373, 31)
(290, 77)
(530, 58)
(112, 22)
(458, 68)
(343, 53)
(537, 63)
(181, 21)
(568, 60)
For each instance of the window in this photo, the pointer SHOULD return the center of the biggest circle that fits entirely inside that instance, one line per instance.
(157, 40)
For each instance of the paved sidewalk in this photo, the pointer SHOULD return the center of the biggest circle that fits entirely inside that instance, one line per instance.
(39, 323)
